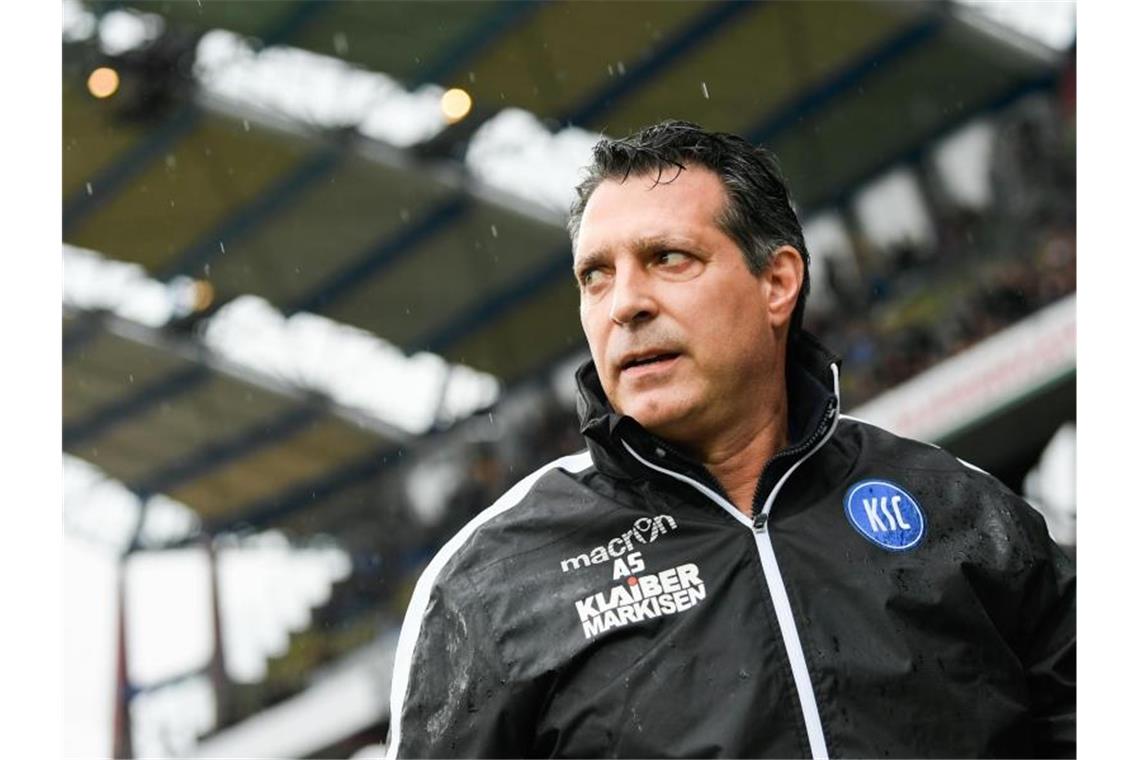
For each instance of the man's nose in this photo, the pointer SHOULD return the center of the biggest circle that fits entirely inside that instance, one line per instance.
(633, 299)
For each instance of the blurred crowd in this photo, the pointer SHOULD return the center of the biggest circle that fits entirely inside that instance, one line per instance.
(902, 331)
(897, 312)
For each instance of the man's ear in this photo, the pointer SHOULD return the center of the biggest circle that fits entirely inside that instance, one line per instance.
(785, 277)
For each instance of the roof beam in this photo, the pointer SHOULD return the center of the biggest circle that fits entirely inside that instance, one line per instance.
(591, 108)
(275, 508)
(518, 291)
(217, 454)
(205, 362)
(246, 219)
(108, 182)
(919, 146)
(482, 36)
(81, 334)
(288, 26)
(383, 253)
(846, 79)
(146, 398)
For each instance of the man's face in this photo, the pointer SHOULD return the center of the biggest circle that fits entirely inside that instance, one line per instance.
(679, 328)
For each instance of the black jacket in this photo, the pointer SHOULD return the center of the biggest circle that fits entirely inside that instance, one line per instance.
(886, 600)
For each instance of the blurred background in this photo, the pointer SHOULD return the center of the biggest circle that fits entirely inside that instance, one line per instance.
(318, 311)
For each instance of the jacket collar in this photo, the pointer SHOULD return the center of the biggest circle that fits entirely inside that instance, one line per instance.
(813, 402)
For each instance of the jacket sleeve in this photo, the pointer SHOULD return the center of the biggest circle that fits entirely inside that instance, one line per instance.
(1049, 654)
(1028, 588)
(451, 696)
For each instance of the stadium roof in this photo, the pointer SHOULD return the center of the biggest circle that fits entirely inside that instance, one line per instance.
(404, 236)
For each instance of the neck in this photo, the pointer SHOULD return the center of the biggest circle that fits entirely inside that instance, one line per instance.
(738, 462)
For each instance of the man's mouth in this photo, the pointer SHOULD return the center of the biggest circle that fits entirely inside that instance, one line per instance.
(649, 359)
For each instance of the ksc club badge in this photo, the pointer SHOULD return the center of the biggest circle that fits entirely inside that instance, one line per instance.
(885, 514)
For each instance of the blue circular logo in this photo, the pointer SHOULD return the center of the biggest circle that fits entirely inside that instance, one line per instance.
(885, 514)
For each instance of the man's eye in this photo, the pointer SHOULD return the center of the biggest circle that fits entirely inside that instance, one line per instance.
(672, 258)
(587, 277)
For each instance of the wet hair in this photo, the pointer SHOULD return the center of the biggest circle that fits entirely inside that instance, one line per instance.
(758, 214)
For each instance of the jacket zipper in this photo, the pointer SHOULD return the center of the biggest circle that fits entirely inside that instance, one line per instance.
(760, 519)
(776, 590)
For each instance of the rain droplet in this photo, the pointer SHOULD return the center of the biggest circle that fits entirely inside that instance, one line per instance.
(705, 90)
(206, 269)
(621, 67)
(245, 124)
(340, 43)
(471, 77)
(130, 377)
(221, 246)
(610, 68)
(89, 190)
(494, 231)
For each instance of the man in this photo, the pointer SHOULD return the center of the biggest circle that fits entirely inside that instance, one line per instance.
(732, 568)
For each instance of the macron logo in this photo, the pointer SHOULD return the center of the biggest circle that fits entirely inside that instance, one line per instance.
(645, 530)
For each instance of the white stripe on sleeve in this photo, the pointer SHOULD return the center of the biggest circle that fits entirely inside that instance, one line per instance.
(410, 631)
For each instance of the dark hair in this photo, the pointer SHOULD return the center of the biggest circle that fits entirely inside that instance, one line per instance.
(758, 215)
